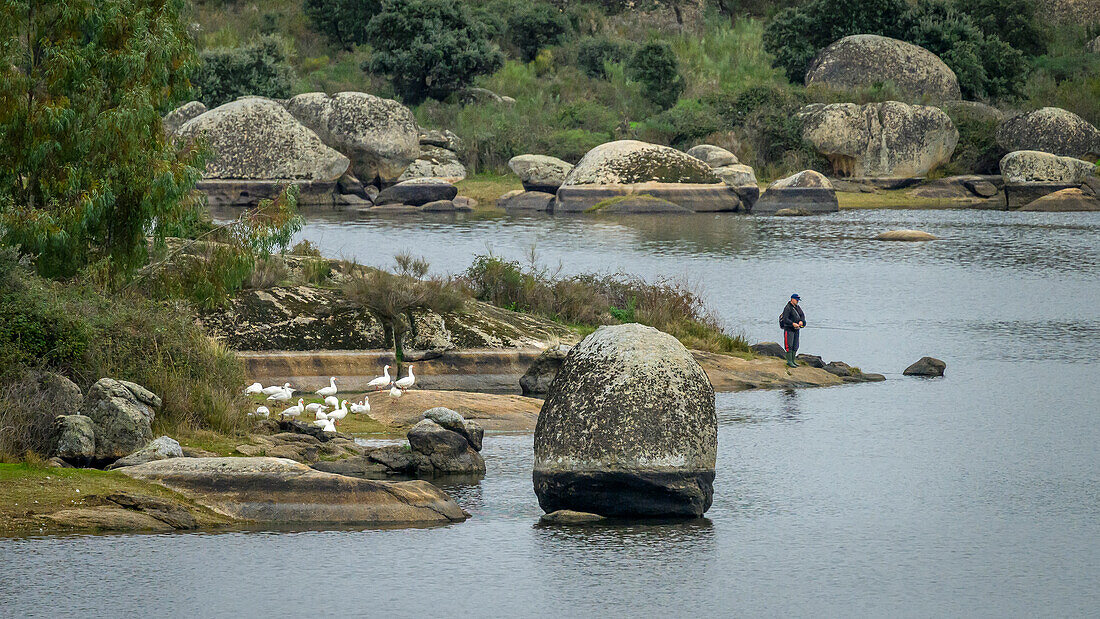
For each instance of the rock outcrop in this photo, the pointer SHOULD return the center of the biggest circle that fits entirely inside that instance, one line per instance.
(173, 120)
(628, 429)
(694, 197)
(123, 414)
(891, 139)
(160, 448)
(1064, 201)
(380, 136)
(807, 191)
(926, 366)
(1032, 166)
(417, 192)
(521, 200)
(540, 172)
(536, 381)
(277, 490)
(1051, 130)
(74, 439)
(714, 156)
(626, 162)
(863, 60)
(435, 162)
(257, 139)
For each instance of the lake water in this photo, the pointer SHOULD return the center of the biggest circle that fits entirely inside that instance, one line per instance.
(977, 494)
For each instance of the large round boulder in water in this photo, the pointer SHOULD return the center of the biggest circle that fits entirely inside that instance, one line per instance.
(891, 139)
(628, 428)
(1051, 130)
(630, 161)
(863, 60)
(380, 136)
(257, 139)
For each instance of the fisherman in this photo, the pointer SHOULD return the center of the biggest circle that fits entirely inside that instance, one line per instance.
(791, 321)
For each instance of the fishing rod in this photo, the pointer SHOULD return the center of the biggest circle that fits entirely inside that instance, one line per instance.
(829, 328)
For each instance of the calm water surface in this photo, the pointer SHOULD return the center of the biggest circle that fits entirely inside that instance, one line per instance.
(977, 494)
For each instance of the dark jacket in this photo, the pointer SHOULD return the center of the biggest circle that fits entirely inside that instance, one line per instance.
(791, 314)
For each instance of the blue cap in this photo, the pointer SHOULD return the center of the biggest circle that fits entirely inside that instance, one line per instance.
(796, 297)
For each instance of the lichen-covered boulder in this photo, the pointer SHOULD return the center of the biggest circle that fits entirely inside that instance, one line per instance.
(540, 172)
(737, 175)
(1032, 166)
(807, 191)
(863, 60)
(630, 161)
(891, 139)
(123, 413)
(453, 421)
(1051, 130)
(173, 120)
(628, 428)
(714, 156)
(380, 136)
(536, 380)
(443, 139)
(257, 139)
(435, 162)
(74, 438)
(448, 451)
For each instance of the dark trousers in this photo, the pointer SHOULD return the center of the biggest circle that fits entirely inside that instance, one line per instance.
(790, 341)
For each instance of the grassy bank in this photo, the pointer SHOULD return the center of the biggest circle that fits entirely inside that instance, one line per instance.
(29, 492)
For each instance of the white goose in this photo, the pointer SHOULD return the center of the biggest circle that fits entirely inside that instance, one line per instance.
(294, 411)
(339, 413)
(406, 382)
(254, 389)
(326, 425)
(281, 396)
(261, 411)
(330, 390)
(382, 381)
(321, 415)
(395, 392)
(272, 390)
(361, 407)
(332, 402)
(314, 407)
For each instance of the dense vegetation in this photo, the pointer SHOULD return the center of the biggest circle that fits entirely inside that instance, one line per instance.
(680, 73)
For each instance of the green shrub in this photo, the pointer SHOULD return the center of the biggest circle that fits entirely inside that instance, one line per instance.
(535, 26)
(258, 68)
(344, 22)
(430, 48)
(1013, 21)
(977, 151)
(594, 53)
(684, 124)
(654, 66)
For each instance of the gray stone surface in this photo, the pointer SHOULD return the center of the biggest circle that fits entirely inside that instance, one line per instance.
(521, 200)
(416, 192)
(160, 448)
(628, 428)
(714, 156)
(257, 139)
(926, 366)
(568, 516)
(699, 198)
(1032, 166)
(443, 139)
(536, 380)
(808, 191)
(1051, 130)
(540, 172)
(173, 120)
(768, 349)
(122, 416)
(435, 162)
(863, 60)
(627, 162)
(891, 139)
(74, 438)
(1064, 201)
(380, 136)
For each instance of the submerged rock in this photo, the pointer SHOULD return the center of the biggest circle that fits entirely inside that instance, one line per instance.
(568, 516)
(905, 235)
(417, 192)
(628, 429)
(864, 60)
(891, 139)
(926, 366)
(637, 204)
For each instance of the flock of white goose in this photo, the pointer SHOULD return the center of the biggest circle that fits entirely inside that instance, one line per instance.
(333, 409)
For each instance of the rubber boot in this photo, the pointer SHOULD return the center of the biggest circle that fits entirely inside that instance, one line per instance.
(790, 360)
